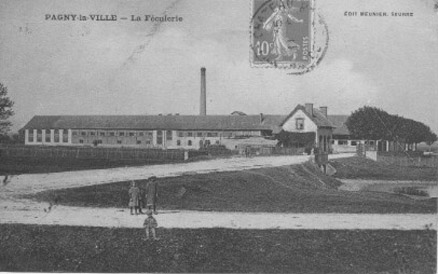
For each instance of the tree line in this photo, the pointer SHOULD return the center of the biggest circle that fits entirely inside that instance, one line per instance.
(6, 111)
(371, 123)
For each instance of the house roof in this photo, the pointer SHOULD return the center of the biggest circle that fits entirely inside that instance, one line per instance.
(150, 122)
(339, 122)
(318, 117)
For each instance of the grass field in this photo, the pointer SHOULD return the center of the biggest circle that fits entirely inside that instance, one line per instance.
(84, 249)
(298, 188)
(361, 168)
(40, 165)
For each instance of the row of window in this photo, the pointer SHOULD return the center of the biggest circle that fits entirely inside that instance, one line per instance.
(144, 133)
(201, 143)
(160, 133)
(197, 134)
(189, 142)
(147, 134)
(119, 142)
(352, 143)
(48, 139)
(47, 131)
(111, 133)
(214, 134)
(57, 136)
(147, 142)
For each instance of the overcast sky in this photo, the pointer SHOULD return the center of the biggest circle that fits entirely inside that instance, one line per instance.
(124, 67)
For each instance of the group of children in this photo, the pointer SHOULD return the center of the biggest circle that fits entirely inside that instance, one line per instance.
(139, 198)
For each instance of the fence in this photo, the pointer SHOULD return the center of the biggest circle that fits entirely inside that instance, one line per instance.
(113, 154)
(265, 150)
(418, 161)
(399, 158)
(287, 151)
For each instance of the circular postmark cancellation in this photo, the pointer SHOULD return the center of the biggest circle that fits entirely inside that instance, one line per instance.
(285, 34)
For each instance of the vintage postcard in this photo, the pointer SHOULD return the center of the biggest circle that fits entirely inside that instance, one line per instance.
(218, 136)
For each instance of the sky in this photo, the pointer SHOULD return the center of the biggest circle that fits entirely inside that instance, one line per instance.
(135, 68)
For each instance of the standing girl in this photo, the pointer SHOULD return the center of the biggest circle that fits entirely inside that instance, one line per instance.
(134, 193)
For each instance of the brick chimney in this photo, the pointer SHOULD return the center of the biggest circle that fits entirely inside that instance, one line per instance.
(262, 118)
(309, 108)
(203, 102)
(324, 111)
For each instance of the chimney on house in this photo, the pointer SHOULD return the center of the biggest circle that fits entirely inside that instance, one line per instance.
(324, 111)
(309, 108)
(262, 118)
(203, 102)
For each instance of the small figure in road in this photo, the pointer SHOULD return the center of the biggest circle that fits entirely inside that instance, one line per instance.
(150, 224)
(134, 193)
(141, 201)
(152, 193)
(246, 152)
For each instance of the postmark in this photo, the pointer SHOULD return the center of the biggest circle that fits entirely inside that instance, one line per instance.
(283, 35)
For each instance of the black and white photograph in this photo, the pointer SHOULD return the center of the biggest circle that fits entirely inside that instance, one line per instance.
(218, 136)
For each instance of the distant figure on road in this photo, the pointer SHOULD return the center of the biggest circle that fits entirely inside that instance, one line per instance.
(141, 201)
(150, 224)
(134, 193)
(152, 193)
(247, 152)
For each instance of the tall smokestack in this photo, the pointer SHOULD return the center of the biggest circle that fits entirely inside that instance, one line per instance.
(203, 102)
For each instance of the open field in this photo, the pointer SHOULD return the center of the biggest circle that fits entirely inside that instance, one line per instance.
(82, 249)
(40, 165)
(361, 168)
(19, 159)
(298, 188)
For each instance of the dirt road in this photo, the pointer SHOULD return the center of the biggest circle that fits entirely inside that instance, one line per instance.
(16, 210)
(32, 183)
(34, 213)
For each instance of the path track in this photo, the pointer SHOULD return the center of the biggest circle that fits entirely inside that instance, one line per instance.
(16, 210)
(114, 217)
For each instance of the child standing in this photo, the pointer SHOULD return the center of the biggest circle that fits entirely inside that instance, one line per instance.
(151, 196)
(150, 224)
(133, 192)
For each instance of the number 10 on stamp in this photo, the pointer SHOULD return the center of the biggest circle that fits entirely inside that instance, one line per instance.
(281, 32)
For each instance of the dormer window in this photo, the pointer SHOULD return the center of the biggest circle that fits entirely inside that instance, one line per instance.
(299, 122)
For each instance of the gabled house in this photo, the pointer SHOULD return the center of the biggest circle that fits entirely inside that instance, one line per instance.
(307, 119)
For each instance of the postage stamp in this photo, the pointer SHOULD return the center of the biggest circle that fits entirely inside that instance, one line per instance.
(282, 33)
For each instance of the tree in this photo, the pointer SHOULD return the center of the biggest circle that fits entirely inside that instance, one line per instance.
(370, 123)
(430, 138)
(5, 110)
